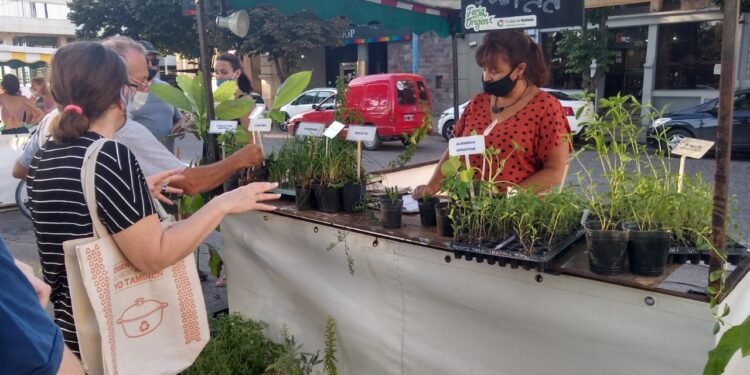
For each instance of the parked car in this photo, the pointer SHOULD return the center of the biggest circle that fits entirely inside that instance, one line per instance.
(390, 102)
(569, 103)
(700, 122)
(304, 103)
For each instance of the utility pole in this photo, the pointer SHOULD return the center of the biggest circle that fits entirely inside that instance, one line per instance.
(209, 148)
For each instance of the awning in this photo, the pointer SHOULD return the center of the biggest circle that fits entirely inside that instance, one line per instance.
(16, 57)
(420, 16)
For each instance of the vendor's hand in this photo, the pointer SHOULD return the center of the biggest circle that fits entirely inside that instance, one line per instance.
(40, 287)
(422, 190)
(158, 184)
(249, 198)
(250, 156)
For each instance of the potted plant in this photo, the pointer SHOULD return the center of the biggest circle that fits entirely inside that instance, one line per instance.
(331, 167)
(353, 190)
(391, 205)
(427, 211)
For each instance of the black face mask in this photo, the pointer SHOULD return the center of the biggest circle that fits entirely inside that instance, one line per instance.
(152, 73)
(500, 88)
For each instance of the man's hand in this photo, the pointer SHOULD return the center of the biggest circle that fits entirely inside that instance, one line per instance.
(422, 190)
(40, 287)
(250, 156)
(179, 128)
(158, 184)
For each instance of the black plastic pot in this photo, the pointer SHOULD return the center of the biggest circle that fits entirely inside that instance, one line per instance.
(232, 183)
(648, 251)
(606, 248)
(444, 223)
(352, 196)
(328, 199)
(427, 212)
(256, 174)
(391, 213)
(303, 199)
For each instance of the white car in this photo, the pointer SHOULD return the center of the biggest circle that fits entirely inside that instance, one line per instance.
(569, 103)
(304, 103)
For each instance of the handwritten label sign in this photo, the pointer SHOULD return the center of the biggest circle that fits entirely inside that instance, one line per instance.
(309, 129)
(693, 148)
(261, 125)
(466, 145)
(221, 127)
(358, 133)
(334, 129)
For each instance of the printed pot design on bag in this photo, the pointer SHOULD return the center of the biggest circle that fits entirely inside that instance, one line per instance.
(142, 317)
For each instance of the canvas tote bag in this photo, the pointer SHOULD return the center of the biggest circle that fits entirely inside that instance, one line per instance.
(127, 321)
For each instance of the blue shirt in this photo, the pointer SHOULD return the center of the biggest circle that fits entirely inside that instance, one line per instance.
(159, 118)
(30, 342)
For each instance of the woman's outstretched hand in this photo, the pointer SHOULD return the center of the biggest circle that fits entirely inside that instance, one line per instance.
(249, 198)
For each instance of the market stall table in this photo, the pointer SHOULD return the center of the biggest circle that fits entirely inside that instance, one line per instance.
(411, 307)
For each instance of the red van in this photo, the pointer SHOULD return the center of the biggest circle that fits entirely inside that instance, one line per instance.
(390, 102)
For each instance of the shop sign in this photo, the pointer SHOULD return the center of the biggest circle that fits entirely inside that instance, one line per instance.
(308, 129)
(359, 133)
(487, 15)
(221, 127)
(463, 146)
(261, 125)
(375, 33)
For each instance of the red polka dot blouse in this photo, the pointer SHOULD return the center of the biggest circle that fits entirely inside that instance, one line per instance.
(538, 128)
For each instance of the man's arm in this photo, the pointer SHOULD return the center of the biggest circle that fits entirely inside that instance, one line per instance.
(207, 177)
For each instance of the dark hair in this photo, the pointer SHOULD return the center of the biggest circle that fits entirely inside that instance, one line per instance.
(243, 82)
(10, 84)
(90, 76)
(517, 48)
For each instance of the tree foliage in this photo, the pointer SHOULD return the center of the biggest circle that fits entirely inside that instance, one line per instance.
(744, 4)
(283, 38)
(159, 21)
(579, 48)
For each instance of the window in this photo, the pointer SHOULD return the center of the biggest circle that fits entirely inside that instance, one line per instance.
(376, 96)
(405, 93)
(35, 41)
(438, 82)
(33, 9)
(422, 90)
(307, 98)
(687, 54)
(559, 95)
(558, 79)
(323, 95)
(329, 103)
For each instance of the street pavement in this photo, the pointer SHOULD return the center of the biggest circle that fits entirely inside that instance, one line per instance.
(18, 231)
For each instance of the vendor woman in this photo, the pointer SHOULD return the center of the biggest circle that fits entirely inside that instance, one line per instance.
(512, 109)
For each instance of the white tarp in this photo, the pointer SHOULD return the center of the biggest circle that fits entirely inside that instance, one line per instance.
(11, 147)
(407, 311)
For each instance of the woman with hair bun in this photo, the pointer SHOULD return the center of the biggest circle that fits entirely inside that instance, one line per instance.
(513, 111)
(90, 84)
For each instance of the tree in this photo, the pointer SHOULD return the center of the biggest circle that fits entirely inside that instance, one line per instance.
(283, 38)
(579, 48)
(744, 4)
(159, 21)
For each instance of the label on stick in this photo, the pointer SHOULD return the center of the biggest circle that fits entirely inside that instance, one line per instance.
(693, 148)
(466, 145)
(221, 127)
(359, 133)
(261, 125)
(309, 129)
(334, 129)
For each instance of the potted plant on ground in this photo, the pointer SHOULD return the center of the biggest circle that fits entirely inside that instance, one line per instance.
(391, 205)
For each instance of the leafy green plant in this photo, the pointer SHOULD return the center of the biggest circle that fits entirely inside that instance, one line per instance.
(392, 195)
(413, 140)
(341, 239)
(237, 346)
(293, 361)
(342, 112)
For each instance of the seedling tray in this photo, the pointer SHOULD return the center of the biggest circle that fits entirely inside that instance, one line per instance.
(513, 254)
(683, 255)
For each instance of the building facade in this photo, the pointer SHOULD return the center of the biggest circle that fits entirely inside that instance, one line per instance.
(30, 31)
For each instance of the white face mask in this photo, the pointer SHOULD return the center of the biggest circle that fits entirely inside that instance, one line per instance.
(139, 100)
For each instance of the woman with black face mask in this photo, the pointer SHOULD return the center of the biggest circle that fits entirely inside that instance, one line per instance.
(526, 124)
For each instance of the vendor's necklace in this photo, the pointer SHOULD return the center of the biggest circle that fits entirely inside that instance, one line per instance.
(497, 109)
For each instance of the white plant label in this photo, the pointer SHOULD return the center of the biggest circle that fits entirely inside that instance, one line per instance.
(308, 129)
(359, 133)
(462, 146)
(693, 148)
(221, 127)
(334, 129)
(261, 125)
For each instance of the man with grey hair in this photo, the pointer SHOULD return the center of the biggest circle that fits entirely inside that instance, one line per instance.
(152, 156)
